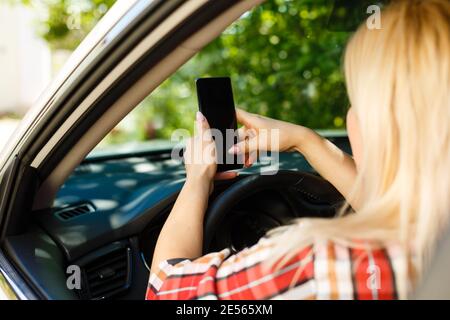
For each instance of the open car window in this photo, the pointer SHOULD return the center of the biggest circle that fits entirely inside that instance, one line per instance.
(284, 60)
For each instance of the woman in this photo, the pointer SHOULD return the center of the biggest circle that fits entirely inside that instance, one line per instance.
(398, 82)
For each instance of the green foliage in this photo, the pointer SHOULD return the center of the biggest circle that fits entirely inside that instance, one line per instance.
(284, 59)
(67, 22)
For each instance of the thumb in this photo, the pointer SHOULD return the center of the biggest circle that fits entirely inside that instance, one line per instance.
(202, 124)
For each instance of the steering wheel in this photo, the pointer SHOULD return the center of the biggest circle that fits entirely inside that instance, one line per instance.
(304, 194)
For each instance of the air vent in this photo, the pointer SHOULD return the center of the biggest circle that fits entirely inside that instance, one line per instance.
(74, 211)
(107, 275)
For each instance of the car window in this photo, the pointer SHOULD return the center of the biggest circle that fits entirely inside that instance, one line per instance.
(284, 59)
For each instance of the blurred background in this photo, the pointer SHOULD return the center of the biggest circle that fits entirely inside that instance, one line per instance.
(284, 59)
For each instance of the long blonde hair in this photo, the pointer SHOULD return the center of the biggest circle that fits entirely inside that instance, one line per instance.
(398, 82)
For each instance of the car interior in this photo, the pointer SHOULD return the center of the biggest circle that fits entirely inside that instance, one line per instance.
(103, 213)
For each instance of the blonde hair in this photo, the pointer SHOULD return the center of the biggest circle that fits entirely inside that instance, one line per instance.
(398, 82)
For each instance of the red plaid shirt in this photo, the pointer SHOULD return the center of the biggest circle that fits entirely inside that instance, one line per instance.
(320, 271)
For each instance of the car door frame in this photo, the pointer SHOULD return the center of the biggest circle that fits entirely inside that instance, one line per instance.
(19, 178)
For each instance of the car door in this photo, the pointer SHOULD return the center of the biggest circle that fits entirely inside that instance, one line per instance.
(138, 44)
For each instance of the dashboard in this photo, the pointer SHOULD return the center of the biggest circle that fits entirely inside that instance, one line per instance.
(108, 215)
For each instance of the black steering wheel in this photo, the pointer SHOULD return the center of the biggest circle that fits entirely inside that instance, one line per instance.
(303, 194)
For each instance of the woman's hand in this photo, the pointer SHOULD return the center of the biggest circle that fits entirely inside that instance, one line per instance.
(260, 133)
(182, 233)
(328, 160)
(200, 157)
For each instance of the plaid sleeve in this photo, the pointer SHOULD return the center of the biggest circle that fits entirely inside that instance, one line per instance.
(240, 276)
(320, 271)
(182, 279)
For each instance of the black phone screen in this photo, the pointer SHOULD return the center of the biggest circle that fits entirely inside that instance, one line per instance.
(215, 99)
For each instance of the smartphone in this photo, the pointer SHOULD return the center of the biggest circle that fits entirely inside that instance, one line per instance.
(215, 100)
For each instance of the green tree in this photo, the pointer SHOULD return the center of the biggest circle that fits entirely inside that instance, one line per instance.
(284, 59)
(67, 22)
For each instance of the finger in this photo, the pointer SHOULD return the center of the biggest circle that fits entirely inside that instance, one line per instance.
(201, 122)
(226, 175)
(250, 159)
(245, 146)
(203, 130)
(244, 132)
(244, 117)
